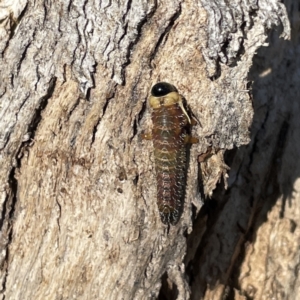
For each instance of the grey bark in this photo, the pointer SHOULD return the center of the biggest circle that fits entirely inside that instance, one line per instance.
(78, 193)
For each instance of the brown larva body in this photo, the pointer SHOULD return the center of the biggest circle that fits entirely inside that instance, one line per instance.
(170, 134)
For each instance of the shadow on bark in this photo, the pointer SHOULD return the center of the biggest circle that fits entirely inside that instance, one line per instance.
(265, 166)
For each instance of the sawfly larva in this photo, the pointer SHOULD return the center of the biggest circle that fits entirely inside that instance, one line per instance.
(171, 140)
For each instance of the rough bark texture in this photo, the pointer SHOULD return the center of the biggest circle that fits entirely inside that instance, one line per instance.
(78, 194)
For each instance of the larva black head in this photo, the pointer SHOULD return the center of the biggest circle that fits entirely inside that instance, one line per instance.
(162, 89)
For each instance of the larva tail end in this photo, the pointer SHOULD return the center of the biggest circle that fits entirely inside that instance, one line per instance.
(170, 217)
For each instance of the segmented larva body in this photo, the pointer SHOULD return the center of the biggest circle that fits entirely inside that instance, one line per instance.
(170, 134)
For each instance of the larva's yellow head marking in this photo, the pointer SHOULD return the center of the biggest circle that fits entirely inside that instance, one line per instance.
(165, 94)
(167, 100)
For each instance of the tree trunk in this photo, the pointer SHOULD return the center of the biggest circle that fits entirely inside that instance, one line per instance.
(79, 218)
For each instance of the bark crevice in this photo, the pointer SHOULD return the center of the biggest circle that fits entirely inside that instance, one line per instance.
(163, 35)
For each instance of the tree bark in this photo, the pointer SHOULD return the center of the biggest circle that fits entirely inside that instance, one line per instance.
(78, 194)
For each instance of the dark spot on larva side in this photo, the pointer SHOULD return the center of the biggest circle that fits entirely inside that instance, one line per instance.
(162, 89)
(120, 190)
